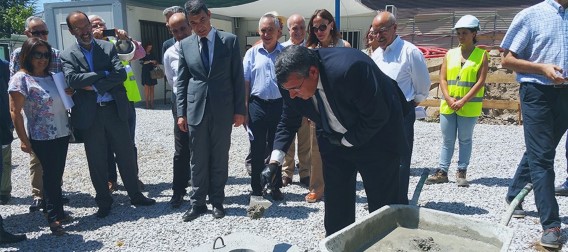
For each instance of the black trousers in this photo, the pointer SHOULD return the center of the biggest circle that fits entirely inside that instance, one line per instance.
(109, 129)
(52, 155)
(112, 175)
(181, 157)
(380, 173)
(264, 116)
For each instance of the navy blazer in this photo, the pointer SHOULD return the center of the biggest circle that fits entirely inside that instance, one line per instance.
(6, 136)
(365, 101)
(78, 75)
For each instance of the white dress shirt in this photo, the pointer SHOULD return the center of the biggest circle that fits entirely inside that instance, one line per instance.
(171, 61)
(404, 62)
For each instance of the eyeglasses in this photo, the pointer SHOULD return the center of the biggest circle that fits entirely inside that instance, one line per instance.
(381, 30)
(97, 25)
(39, 33)
(40, 55)
(321, 28)
(84, 28)
(295, 89)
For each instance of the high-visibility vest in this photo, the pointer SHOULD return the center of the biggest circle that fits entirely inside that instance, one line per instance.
(130, 84)
(460, 81)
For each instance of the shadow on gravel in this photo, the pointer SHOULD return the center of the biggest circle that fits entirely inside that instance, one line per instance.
(457, 208)
(38, 244)
(288, 212)
(504, 182)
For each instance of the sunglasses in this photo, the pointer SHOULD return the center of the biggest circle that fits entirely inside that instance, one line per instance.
(321, 28)
(40, 55)
(39, 33)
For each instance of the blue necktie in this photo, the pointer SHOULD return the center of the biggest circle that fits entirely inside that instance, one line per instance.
(205, 54)
(321, 108)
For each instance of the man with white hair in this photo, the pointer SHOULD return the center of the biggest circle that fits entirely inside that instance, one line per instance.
(34, 27)
(264, 101)
(403, 62)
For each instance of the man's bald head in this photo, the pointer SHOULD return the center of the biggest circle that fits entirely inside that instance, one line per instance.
(179, 26)
(384, 28)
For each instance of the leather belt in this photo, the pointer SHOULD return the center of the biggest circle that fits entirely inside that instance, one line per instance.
(107, 103)
(265, 101)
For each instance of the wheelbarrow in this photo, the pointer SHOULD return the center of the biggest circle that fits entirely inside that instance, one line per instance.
(413, 228)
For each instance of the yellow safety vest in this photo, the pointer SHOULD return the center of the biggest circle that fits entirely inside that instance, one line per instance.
(130, 84)
(460, 81)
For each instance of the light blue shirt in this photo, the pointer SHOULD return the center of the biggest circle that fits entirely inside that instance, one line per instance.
(259, 70)
(89, 56)
(539, 34)
(210, 44)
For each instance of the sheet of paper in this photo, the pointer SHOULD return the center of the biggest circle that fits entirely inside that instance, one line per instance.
(61, 86)
(249, 132)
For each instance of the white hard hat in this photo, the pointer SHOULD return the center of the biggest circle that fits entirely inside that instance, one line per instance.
(467, 21)
(125, 49)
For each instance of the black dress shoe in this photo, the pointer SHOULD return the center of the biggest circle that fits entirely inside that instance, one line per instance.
(176, 200)
(103, 212)
(142, 201)
(218, 212)
(193, 213)
(277, 195)
(305, 181)
(6, 237)
(36, 205)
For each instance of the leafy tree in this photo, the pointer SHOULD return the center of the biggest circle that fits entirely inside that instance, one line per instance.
(13, 14)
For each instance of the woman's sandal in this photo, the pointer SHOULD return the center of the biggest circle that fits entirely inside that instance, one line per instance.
(312, 197)
(56, 228)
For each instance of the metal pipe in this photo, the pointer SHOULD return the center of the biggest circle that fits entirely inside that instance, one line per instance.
(337, 15)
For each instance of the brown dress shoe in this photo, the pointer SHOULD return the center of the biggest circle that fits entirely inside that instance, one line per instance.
(286, 181)
(112, 186)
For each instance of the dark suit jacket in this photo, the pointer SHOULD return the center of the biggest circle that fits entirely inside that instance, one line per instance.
(365, 101)
(224, 86)
(79, 75)
(6, 136)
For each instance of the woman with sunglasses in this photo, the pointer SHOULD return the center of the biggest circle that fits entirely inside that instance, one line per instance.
(322, 32)
(462, 81)
(33, 89)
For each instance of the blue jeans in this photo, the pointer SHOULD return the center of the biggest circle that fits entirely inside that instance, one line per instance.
(461, 126)
(544, 110)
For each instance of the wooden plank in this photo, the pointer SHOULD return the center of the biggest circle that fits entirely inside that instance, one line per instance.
(490, 104)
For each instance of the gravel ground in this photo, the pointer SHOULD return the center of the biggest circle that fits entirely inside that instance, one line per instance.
(497, 151)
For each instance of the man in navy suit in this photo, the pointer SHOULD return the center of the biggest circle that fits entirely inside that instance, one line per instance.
(358, 111)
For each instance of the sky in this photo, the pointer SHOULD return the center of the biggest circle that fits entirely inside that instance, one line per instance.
(39, 4)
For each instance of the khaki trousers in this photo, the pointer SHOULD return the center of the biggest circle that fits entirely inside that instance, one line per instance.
(36, 177)
(316, 180)
(303, 137)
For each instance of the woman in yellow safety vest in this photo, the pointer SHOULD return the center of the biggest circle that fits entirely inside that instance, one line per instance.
(462, 81)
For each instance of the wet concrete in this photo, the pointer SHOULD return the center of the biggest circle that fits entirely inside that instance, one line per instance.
(405, 239)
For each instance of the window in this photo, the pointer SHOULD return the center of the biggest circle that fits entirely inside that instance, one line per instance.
(155, 33)
(353, 37)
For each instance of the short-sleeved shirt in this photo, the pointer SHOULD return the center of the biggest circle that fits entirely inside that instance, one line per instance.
(45, 113)
(538, 34)
(54, 67)
(259, 70)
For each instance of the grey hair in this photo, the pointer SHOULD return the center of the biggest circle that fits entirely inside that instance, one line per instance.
(295, 59)
(32, 19)
(93, 17)
(173, 9)
(289, 22)
(391, 17)
(270, 15)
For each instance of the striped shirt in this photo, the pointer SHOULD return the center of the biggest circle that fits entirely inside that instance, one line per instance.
(539, 34)
(55, 66)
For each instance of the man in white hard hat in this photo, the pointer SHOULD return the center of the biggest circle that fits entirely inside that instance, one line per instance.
(535, 48)
(98, 25)
(403, 62)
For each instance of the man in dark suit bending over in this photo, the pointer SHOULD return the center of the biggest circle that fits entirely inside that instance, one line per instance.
(93, 69)
(358, 112)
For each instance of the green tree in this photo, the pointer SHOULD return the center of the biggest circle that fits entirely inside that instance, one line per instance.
(13, 14)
